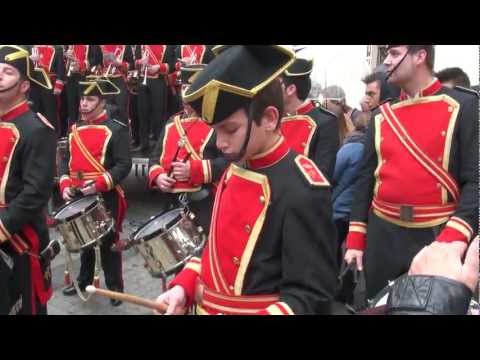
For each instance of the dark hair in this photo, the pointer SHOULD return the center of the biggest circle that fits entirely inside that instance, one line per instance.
(271, 95)
(302, 83)
(455, 75)
(370, 78)
(360, 120)
(430, 49)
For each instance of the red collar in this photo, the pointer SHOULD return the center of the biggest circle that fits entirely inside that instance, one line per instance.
(100, 118)
(305, 108)
(431, 89)
(270, 157)
(15, 111)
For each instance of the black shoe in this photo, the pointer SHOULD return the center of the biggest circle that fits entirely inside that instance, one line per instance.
(70, 290)
(115, 302)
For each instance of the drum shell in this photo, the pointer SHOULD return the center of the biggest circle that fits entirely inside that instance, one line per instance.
(165, 252)
(87, 228)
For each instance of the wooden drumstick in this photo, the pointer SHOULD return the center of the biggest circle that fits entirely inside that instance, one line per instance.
(161, 308)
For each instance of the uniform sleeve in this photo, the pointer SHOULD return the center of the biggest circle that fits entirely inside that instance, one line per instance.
(154, 166)
(65, 180)
(128, 60)
(463, 224)
(122, 161)
(363, 193)
(309, 265)
(187, 279)
(95, 56)
(38, 166)
(325, 148)
(59, 68)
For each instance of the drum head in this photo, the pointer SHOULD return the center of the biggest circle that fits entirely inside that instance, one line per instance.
(159, 224)
(73, 209)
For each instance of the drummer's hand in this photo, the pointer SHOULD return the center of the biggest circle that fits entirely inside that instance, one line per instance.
(89, 189)
(356, 256)
(445, 259)
(165, 183)
(181, 171)
(68, 194)
(35, 57)
(175, 299)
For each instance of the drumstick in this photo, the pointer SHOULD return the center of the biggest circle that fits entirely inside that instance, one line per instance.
(161, 308)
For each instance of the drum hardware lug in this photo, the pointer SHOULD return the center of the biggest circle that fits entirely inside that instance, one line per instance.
(200, 229)
(191, 216)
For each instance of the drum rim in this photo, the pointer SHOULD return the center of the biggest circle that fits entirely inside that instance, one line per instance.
(74, 216)
(158, 231)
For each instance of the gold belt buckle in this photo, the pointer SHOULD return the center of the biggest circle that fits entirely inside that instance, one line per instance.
(406, 213)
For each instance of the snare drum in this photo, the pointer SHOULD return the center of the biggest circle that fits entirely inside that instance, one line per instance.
(61, 158)
(83, 222)
(167, 241)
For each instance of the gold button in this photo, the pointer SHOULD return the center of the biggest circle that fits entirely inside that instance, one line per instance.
(384, 161)
(304, 144)
(381, 139)
(444, 133)
(450, 108)
(439, 185)
(309, 126)
(439, 159)
(231, 287)
(236, 261)
(262, 200)
(12, 140)
(248, 229)
(5, 159)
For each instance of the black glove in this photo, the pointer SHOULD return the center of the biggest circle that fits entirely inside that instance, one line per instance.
(428, 295)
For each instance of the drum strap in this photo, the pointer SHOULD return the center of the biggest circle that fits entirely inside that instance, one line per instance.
(97, 165)
(183, 135)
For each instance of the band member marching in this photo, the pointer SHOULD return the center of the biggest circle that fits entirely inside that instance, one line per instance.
(271, 246)
(154, 63)
(50, 59)
(99, 159)
(419, 177)
(186, 159)
(27, 163)
(113, 62)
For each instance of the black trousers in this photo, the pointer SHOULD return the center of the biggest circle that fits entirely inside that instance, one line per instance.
(73, 98)
(120, 100)
(152, 100)
(111, 261)
(390, 251)
(174, 103)
(134, 119)
(16, 294)
(45, 102)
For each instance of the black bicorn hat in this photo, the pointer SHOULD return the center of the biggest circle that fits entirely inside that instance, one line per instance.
(234, 77)
(19, 58)
(97, 86)
(301, 67)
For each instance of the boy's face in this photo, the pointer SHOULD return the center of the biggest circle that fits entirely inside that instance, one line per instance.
(232, 131)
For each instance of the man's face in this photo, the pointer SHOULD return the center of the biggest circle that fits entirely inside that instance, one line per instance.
(232, 131)
(289, 91)
(10, 86)
(90, 105)
(372, 94)
(403, 73)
